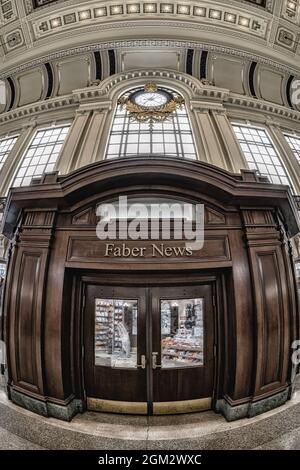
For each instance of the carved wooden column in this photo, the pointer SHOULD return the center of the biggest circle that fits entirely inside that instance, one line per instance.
(59, 332)
(239, 328)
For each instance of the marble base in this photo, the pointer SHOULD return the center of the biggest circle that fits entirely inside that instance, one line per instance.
(232, 413)
(47, 409)
(261, 406)
(251, 409)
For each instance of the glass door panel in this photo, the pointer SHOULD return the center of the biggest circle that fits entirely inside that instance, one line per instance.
(182, 332)
(116, 333)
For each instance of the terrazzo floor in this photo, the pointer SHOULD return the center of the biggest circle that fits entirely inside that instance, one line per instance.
(9, 441)
(275, 430)
(288, 441)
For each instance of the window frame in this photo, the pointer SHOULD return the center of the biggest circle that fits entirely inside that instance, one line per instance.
(41, 128)
(125, 132)
(294, 136)
(259, 127)
(8, 137)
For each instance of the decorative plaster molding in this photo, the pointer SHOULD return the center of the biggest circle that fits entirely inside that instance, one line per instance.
(251, 20)
(150, 44)
(8, 12)
(13, 40)
(291, 10)
(263, 106)
(194, 87)
(228, 16)
(103, 94)
(269, 4)
(37, 108)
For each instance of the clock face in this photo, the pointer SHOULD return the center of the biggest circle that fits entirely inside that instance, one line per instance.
(149, 100)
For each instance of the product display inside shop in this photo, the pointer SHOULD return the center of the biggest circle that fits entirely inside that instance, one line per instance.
(182, 332)
(116, 332)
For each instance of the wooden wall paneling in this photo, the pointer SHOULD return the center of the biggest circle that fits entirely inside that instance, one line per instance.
(271, 296)
(27, 302)
(78, 301)
(28, 321)
(272, 319)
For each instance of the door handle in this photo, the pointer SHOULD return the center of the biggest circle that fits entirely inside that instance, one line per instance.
(142, 365)
(154, 361)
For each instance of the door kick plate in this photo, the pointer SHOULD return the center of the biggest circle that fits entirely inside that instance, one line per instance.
(114, 406)
(141, 408)
(181, 407)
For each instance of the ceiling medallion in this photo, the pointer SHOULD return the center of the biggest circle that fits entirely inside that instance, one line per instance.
(151, 104)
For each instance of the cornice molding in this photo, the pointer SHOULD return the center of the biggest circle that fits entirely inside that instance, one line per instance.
(102, 96)
(193, 85)
(53, 190)
(262, 106)
(38, 108)
(149, 44)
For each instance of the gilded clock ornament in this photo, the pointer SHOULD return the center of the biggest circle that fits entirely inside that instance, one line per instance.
(151, 104)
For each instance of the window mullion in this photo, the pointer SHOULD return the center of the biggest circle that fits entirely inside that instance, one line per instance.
(165, 138)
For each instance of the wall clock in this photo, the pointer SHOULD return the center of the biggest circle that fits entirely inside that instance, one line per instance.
(151, 104)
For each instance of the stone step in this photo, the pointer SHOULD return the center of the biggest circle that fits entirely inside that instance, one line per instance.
(205, 431)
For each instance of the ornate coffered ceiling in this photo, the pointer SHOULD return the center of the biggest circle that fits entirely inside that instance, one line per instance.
(50, 48)
(30, 29)
(42, 3)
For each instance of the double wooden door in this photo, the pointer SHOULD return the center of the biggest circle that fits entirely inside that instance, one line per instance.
(149, 350)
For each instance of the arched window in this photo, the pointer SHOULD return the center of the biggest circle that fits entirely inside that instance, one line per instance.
(130, 137)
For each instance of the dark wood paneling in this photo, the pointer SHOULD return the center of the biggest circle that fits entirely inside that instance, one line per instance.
(25, 323)
(27, 319)
(272, 319)
(272, 302)
(26, 302)
(270, 325)
(91, 249)
(58, 327)
(239, 323)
